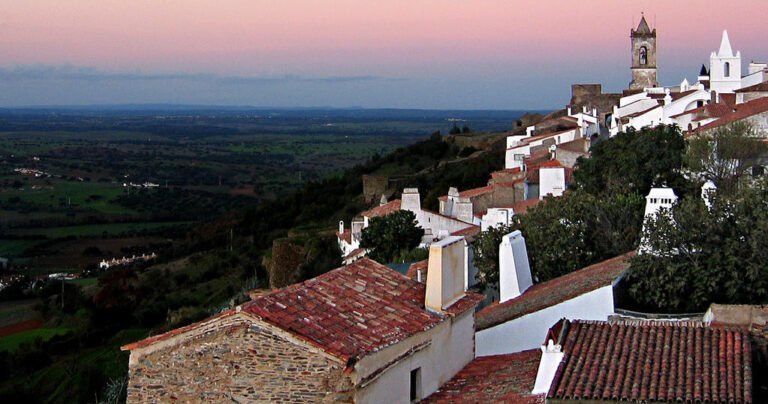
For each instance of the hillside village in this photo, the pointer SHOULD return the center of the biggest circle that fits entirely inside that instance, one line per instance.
(366, 332)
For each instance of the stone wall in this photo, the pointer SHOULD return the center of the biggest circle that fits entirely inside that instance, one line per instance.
(236, 362)
(592, 96)
(373, 187)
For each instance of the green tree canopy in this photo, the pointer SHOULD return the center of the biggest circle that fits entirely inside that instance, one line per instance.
(565, 234)
(724, 155)
(702, 256)
(391, 236)
(633, 162)
(485, 248)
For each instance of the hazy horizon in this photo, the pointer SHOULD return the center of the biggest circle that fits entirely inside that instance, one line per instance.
(424, 54)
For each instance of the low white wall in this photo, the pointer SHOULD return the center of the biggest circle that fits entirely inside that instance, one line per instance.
(450, 351)
(529, 331)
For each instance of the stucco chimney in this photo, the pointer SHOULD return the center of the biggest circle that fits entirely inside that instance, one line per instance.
(341, 226)
(551, 356)
(411, 200)
(445, 269)
(514, 270)
(383, 200)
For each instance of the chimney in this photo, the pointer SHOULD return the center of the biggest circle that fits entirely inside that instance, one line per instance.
(411, 200)
(383, 200)
(551, 356)
(514, 270)
(341, 226)
(445, 269)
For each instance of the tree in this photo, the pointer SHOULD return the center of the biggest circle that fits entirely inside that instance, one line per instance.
(389, 236)
(455, 130)
(701, 256)
(724, 155)
(565, 234)
(633, 162)
(578, 229)
(485, 250)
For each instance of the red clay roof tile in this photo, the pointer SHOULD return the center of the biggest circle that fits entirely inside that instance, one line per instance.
(739, 112)
(555, 291)
(383, 210)
(647, 361)
(493, 379)
(351, 311)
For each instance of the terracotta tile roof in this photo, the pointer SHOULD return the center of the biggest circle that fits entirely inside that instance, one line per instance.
(177, 331)
(739, 112)
(728, 99)
(351, 311)
(346, 236)
(354, 253)
(383, 210)
(707, 111)
(418, 266)
(467, 232)
(532, 139)
(493, 379)
(646, 361)
(760, 87)
(555, 291)
(522, 206)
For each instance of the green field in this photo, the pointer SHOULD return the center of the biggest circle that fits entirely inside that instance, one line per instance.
(91, 230)
(13, 342)
(18, 311)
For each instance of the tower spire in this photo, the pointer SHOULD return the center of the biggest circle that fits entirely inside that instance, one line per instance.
(725, 46)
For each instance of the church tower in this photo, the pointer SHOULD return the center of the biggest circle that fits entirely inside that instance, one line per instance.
(643, 56)
(725, 68)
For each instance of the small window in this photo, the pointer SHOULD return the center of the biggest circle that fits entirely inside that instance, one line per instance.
(727, 69)
(643, 56)
(415, 384)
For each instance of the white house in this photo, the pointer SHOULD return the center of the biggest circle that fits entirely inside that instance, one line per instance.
(436, 226)
(520, 320)
(359, 333)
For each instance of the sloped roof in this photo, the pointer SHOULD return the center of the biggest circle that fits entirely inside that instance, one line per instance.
(383, 210)
(346, 235)
(348, 312)
(555, 291)
(422, 266)
(646, 361)
(739, 112)
(493, 379)
(760, 87)
(352, 311)
(642, 27)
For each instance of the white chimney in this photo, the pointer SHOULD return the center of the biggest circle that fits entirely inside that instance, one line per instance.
(551, 356)
(383, 200)
(411, 200)
(445, 269)
(514, 270)
(708, 191)
(657, 199)
(341, 226)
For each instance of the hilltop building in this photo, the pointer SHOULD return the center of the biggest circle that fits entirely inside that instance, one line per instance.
(643, 56)
(359, 333)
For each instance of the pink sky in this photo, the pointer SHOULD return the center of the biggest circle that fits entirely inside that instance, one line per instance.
(453, 41)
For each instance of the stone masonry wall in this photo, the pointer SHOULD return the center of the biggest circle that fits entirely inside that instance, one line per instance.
(238, 363)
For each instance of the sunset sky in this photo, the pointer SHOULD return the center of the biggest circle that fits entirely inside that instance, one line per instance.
(464, 54)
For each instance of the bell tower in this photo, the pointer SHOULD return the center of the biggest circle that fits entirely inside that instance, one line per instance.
(643, 56)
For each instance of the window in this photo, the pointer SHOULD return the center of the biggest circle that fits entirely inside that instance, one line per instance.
(416, 384)
(643, 55)
(727, 69)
